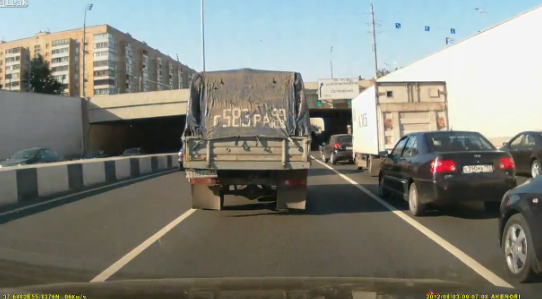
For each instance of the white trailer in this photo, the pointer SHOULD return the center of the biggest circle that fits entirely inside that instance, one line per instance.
(384, 112)
(492, 78)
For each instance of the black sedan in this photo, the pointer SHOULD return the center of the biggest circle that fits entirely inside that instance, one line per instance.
(526, 149)
(35, 155)
(520, 233)
(444, 168)
(338, 148)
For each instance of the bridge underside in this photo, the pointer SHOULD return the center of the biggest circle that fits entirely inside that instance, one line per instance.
(102, 115)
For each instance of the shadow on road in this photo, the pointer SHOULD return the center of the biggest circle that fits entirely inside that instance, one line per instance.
(44, 204)
(348, 199)
(321, 200)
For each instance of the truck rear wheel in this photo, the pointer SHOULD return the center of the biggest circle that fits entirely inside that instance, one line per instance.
(292, 190)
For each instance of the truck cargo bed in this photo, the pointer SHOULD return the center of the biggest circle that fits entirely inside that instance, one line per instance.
(255, 153)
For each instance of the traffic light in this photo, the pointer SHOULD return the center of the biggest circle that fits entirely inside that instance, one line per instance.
(319, 103)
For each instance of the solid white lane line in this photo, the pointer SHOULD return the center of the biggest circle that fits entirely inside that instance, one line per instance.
(140, 248)
(460, 255)
(84, 192)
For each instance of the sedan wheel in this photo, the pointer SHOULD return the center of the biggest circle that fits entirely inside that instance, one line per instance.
(416, 208)
(332, 159)
(517, 248)
(535, 169)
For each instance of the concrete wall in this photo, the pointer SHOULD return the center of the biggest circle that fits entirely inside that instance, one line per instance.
(20, 184)
(138, 105)
(30, 120)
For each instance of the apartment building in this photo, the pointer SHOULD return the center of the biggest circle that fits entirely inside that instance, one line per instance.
(115, 62)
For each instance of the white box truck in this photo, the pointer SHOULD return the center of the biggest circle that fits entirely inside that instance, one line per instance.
(385, 112)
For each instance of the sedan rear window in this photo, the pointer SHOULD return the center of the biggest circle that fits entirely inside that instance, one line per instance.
(458, 142)
(25, 154)
(344, 139)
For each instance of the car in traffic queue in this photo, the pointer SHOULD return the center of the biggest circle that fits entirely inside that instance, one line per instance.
(136, 151)
(338, 148)
(526, 149)
(520, 230)
(181, 167)
(442, 168)
(37, 155)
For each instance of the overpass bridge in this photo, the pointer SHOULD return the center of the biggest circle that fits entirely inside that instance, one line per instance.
(154, 104)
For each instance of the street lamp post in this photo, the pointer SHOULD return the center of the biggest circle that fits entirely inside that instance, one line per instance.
(331, 61)
(87, 8)
(203, 35)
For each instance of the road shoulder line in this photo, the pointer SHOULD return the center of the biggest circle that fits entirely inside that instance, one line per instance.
(123, 261)
(460, 255)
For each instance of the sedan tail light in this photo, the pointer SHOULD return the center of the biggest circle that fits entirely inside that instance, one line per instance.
(337, 146)
(506, 163)
(440, 166)
(180, 154)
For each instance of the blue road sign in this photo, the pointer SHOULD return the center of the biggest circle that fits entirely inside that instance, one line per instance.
(452, 30)
(398, 25)
(427, 28)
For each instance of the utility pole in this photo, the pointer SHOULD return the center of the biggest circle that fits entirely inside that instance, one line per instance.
(373, 31)
(87, 8)
(202, 35)
(331, 61)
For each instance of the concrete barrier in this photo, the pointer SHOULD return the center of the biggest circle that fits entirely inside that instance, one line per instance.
(23, 183)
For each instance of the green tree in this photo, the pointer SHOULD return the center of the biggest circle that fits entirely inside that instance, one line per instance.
(40, 78)
(382, 73)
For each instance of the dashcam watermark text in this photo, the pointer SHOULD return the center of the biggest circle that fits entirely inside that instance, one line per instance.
(13, 3)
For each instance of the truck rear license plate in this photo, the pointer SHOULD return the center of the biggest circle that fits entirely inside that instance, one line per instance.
(477, 168)
(348, 148)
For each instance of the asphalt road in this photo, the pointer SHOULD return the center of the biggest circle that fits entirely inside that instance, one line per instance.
(346, 232)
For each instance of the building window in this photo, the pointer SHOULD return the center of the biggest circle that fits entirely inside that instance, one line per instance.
(104, 91)
(100, 45)
(103, 36)
(102, 63)
(60, 59)
(60, 51)
(60, 42)
(102, 73)
(60, 68)
(104, 82)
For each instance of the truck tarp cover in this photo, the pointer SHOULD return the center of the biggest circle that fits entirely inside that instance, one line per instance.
(247, 103)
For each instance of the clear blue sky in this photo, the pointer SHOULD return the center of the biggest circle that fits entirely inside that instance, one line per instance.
(275, 34)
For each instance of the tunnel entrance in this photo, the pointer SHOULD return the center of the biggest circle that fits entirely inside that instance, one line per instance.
(153, 135)
(335, 121)
(162, 134)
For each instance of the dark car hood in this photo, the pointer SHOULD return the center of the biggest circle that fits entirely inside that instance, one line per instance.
(14, 162)
(255, 288)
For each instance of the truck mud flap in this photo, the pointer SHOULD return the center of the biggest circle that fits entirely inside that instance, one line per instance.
(207, 197)
(361, 161)
(292, 190)
(374, 166)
